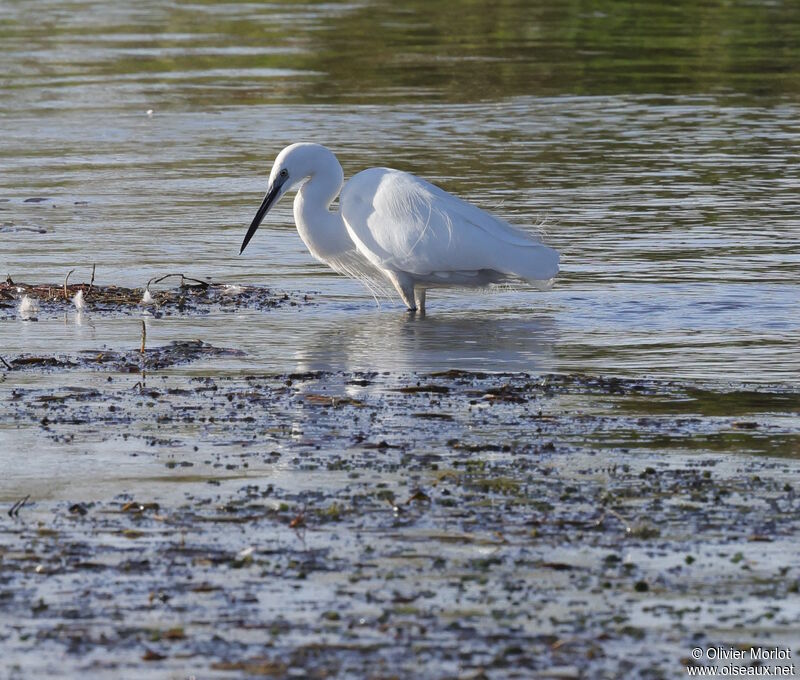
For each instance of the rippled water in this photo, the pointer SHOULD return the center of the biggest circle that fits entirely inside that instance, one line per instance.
(655, 143)
(660, 155)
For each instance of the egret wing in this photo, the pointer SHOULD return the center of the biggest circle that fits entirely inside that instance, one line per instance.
(403, 223)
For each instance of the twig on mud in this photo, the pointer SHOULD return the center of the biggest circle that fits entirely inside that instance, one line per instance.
(558, 644)
(6, 364)
(624, 521)
(299, 525)
(91, 283)
(14, 509)
(299, 519)
(66, 278)
(159, 279)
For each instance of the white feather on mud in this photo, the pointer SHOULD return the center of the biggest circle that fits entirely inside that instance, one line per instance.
(28, 307)
(78, 301)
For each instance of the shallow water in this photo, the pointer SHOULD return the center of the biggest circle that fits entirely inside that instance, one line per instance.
(577, 525)
(671, 194)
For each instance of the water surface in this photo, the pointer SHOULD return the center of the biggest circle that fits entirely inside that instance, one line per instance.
(656, 146)
(654, 143)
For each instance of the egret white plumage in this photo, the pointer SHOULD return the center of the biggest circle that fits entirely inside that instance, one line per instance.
(393, 227)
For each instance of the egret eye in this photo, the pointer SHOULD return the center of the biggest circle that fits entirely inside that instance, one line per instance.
(284, 173)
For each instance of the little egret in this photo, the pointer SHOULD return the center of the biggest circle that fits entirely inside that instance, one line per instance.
(397, 228)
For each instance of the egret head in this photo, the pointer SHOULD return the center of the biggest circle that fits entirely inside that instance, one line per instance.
(293, 166)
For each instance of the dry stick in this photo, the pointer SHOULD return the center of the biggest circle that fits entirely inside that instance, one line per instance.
(91, 283)
(8, 366)
(624, 521)
(144, 335)
(204, 284)
(14, 510)
(66, 278)
(159, 279)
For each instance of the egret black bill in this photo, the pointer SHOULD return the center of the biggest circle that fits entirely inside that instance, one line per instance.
(266, 204)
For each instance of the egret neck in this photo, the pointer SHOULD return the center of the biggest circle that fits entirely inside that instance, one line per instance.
(322, 229)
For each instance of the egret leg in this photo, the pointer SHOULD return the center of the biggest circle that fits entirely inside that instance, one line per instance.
(419, 298)
(405, 287)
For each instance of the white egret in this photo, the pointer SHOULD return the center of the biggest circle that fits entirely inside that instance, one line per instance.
(397, 228)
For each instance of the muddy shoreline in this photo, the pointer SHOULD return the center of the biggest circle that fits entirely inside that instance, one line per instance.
(453, 524)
